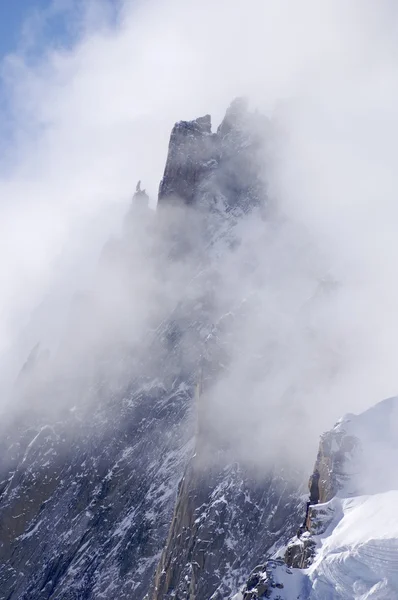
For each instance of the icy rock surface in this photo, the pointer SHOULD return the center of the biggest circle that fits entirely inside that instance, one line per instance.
(98, 454)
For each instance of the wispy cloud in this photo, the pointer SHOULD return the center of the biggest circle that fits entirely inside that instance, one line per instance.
(91, 117)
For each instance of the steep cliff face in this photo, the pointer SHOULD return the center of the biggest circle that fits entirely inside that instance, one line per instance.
(191, 157)
(225, 518)
(105, 429)
(205, 168)
(226, 514)
(86, 499)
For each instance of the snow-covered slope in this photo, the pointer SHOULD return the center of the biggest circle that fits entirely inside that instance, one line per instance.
(357, 556)
(349, 550)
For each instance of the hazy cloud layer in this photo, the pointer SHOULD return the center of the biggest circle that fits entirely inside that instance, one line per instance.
(90, 119)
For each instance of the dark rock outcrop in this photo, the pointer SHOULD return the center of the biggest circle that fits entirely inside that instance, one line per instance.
(223, 521)
(325, 482)
(262, 581)
(192, 154)
(329, 464)
(202, 167)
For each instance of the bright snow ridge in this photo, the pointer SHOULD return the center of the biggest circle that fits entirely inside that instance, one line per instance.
(357, 555)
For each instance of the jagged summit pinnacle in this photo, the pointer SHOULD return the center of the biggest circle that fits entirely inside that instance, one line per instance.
(201, 125)
(191, 149)
(225, 163)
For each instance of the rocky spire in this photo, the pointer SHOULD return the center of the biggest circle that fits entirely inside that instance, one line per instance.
(203, 167)
(192, 148)
(140, 197)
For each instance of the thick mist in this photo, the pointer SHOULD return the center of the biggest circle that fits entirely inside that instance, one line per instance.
(91, 118)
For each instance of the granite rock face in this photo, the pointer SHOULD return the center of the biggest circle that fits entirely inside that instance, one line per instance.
(203, 166)
(226, 515)
(191, 157)
(331, 472)
(223, 521)
(333, 449)
(327, 480)
(85, 508)
(110, 486)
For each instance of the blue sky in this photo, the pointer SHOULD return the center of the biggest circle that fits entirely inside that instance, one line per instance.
(50, 23)
(34, 26)
(13, 13)
(30, 28)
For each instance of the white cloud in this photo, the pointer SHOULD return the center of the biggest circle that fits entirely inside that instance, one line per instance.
(91, 119)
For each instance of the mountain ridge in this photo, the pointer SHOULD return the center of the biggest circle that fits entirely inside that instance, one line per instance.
(139, 463)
